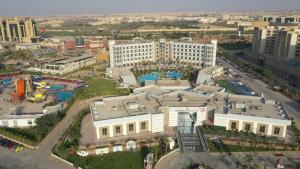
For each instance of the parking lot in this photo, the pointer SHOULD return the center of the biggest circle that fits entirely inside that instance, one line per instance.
(10, 145)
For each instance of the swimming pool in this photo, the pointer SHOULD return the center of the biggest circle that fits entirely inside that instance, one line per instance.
(63, 95)
(56, 87)
(174, 74)
(241, 88)
(6, 81)
(149, 77)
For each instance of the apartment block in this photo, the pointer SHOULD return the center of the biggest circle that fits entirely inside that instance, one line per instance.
(278, 48)
(279, 19)
(282, 42)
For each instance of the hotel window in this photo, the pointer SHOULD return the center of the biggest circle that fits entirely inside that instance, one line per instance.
(233, 125)
(29, 122)
(104, 131)
(130, 127)
(262, 129)
(276, 130)
(143, 125)
(118, 129)
(247, 127)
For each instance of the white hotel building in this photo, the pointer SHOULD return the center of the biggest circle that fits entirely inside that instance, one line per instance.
(147, 112)
(159, 111)
(139, 51)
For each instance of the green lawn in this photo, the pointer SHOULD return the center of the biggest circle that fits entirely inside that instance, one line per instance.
(102, 87)
(117, 160)
(66, 149)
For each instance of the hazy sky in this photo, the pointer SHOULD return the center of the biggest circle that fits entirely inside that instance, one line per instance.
(69, 7)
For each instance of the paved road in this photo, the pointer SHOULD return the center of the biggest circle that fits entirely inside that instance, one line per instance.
(178, 160)
(40, 158)
(259, 87)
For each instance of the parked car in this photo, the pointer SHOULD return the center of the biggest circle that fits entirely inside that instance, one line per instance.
(10, 146)
(18, 148)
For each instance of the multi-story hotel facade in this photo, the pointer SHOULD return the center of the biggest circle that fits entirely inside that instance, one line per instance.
(185, 51)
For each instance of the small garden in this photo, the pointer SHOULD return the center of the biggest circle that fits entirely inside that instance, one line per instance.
(227, 87)
(221, 131)
(235, 141)
(69, 143)
(102, 87)
(215, 146)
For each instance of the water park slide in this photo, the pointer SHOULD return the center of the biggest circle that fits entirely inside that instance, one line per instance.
(40, 85)
(37, 97)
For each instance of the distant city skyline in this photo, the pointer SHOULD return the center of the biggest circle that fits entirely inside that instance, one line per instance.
(82, 7)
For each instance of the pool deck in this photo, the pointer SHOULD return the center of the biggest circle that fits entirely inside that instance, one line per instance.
(27, 108)
(154, 76)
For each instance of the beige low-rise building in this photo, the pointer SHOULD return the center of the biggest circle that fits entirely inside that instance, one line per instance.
(252, 114)
(67, 65)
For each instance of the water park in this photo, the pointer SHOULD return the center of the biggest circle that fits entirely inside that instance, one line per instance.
(33, 95)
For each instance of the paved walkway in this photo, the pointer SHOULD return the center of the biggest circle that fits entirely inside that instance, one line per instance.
(40, 158)
(179, 160)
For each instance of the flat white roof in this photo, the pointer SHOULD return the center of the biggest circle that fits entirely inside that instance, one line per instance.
(73, 59)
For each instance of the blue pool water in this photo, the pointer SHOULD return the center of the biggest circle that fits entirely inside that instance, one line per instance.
(56, 87)
(156, 75)
(174, 74)
(6, 81)
(63, 95)
(151, 77)
(241, 88)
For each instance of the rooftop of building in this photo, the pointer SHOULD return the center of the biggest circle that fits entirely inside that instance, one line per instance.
(183, 40)
(129, 42)
(209, 70)
(73, 59)
(170, 82)
(184, 99)
(194, 41)
(254, 106)
(156, 90)
(149, 99)
(208, 89)
(124, 106)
